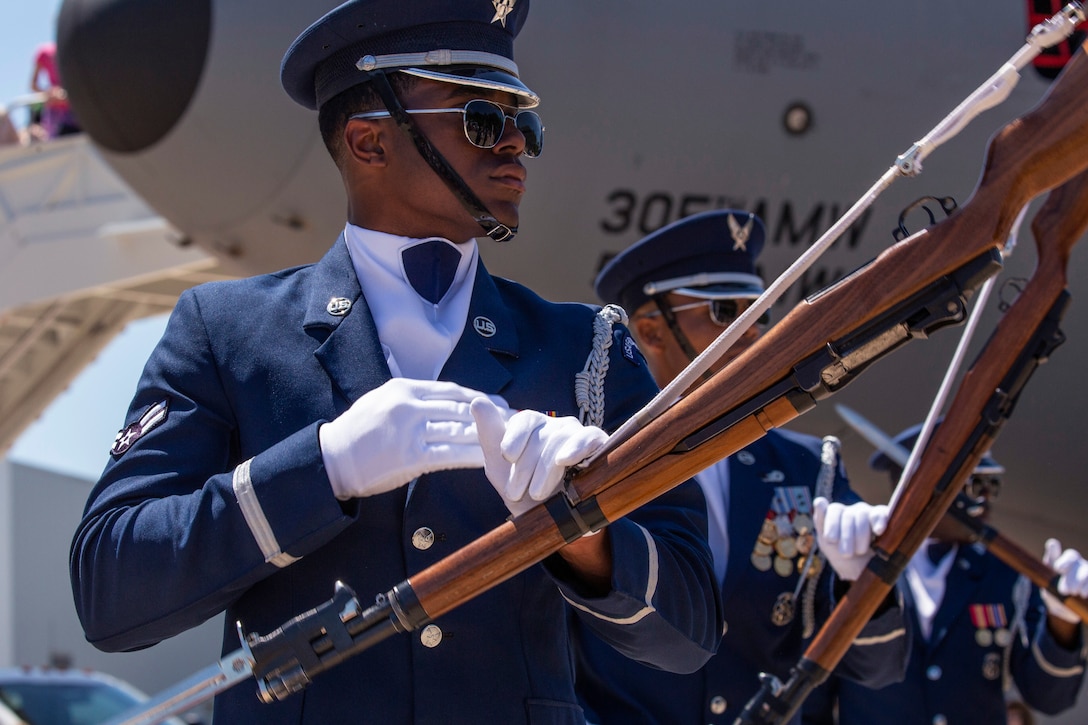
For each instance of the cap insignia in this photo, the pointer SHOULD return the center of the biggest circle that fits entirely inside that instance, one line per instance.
(502, 9)
(740, 234)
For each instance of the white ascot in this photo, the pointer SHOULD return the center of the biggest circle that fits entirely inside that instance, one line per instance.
(417, 336)
(927, 583)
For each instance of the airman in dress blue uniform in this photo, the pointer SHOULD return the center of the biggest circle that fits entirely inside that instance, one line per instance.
(683, 285)
(360, 418)
(978, 627)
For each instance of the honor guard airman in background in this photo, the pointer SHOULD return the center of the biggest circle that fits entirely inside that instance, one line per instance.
(354, 419)
(978, 627)
(769, 503)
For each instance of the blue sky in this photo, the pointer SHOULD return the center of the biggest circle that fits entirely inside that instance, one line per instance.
(74, 434)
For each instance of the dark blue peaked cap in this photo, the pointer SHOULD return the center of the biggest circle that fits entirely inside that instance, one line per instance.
(711, 255)
(879, 461)
(469, 42)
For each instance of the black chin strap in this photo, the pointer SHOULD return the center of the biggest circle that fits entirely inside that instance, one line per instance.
(492, 227)
(662, 303)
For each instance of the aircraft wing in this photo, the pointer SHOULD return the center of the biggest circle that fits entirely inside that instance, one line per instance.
(44, 345)
(81, 255)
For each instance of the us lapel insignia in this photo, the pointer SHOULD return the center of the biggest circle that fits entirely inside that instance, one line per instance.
(338, 306)
(484, 327)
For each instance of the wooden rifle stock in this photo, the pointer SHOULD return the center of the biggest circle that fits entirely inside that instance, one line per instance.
(1029, 156)
(1063, 216)
(1012, 554)
(983, 401)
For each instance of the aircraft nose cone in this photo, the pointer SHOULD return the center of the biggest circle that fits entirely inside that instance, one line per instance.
(131, 67)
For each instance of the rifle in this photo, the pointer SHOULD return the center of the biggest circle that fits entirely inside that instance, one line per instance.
(912, 289)
(1023, 339)
(1015, 556)
(962, 513)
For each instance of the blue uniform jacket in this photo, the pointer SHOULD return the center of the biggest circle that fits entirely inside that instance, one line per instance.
(248, 370)
(617, 690)
(960, 675)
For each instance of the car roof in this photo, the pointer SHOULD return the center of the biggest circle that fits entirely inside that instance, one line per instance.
(66, 675)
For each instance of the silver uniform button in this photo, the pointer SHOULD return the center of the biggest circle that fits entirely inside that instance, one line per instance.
(431, 636)
(717, 704)
(933, 672)
(422, 538)
(725, 627)
(939, 719)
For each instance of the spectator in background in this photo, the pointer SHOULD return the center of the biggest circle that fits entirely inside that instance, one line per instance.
(57, 117)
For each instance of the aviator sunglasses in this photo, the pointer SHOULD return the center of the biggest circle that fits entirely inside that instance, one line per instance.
(981, 487)
(722, 312)
(484, 124)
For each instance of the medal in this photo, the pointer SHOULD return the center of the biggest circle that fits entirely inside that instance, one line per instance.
(785, 531)
(761, 561)
(786, 547)
(782, 612)
(991, 666)
(814, 568)
(989, 621)
(764, 546)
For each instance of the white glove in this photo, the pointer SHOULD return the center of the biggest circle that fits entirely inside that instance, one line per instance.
(845, 534)
(1073, 579)
(526, 453)
(399, 431)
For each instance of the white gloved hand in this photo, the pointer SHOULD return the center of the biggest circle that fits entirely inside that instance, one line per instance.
(396, 432)
(1073, 579)
(526, 453)
(845, 533)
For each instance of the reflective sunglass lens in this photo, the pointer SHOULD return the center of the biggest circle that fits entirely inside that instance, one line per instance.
(484, 123)
(724, 312)
(983, 486)
(528, 122)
